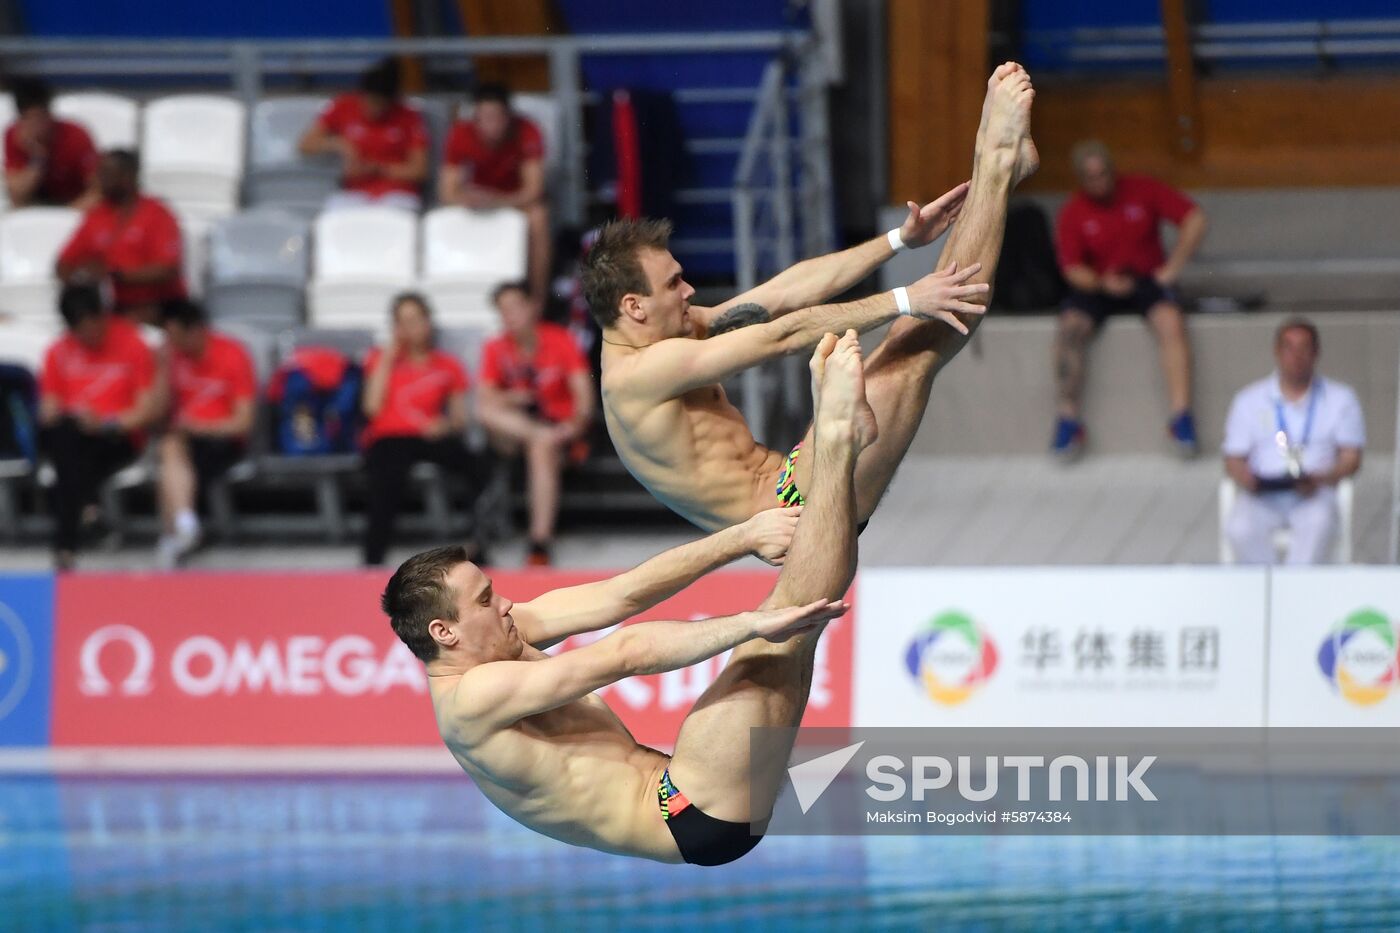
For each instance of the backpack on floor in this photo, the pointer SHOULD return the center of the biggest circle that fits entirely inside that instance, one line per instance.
(18, 401)
(316, 398)
(1028, 275)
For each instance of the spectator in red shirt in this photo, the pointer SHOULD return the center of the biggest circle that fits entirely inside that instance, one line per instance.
(416, 403)
(536, 394)
(382, 141)
(1110, 251)
(496, 159)
(47, 161)
(129, 239)
(96, 395)
(213, 392)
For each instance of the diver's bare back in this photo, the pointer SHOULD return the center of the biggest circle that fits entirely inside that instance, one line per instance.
(573, 773)
(695, 453)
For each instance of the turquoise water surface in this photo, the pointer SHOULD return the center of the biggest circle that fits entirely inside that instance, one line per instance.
(343, 853)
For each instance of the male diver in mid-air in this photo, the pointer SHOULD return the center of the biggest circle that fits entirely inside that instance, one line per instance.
(526, 725)
(541, 746)
(663, 359)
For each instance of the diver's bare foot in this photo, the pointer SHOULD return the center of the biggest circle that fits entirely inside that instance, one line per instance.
(1027, 156)
(818, 368)
(845, 410)
(1002, 71)
(1009, 119)
(1027, 161)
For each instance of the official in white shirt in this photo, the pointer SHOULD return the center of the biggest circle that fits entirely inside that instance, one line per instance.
(1289, 440)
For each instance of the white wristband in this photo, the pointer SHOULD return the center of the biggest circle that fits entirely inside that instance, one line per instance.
(901, 301)
(896, 241)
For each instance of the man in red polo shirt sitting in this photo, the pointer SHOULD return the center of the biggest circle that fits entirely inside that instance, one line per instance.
(1110, 251)
(496, 159)
(127, 238)
(213, 391)
(382, 141)
(96, 396)
(47, 161)
(536, 394)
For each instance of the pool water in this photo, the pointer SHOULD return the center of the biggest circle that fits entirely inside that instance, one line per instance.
(429, 853)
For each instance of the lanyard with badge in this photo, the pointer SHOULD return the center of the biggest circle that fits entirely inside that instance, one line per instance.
(1293, 453)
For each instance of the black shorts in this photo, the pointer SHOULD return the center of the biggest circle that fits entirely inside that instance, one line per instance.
(212, 456)
(1146, 294)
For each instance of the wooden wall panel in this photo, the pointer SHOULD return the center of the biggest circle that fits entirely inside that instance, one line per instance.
(1303, 131)
(512, 18)
(937, 79)
(1257, 132)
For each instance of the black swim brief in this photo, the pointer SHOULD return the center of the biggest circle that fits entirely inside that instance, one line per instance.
(702, 839)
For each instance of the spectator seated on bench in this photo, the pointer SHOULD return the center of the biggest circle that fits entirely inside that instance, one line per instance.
(97, 395)
(536, 397)
(213, 397)
(416, 401)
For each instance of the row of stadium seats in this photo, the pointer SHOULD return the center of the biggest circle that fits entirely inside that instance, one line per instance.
(195, 147)
(273, 270)
(327, 476)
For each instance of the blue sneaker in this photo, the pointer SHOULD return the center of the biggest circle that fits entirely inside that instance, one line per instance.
(1068, 444)
(1182, 428)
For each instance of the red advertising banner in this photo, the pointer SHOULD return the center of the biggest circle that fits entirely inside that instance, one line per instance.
(308, 659)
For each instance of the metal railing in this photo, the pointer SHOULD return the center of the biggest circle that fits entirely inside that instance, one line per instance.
(1321, 41)
(1395, 477)
(783, 210)
(247, 68)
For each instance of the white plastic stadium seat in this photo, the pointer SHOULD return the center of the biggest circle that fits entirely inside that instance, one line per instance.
(7, 116)
(466, 254)
(194, 245)
(363, 256)
(192, 152)
(280, 175)
(25, 343)
(543, 111)
(112, 121)
(1341, 545)
(258, 266)
(30, 241)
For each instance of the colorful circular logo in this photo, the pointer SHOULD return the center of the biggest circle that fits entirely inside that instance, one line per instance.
(16, 660)
(1360, 658)
(952, 658)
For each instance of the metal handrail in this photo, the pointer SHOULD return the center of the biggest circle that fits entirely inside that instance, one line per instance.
(1395, 478)
(1216, 41)
(249, 63)
(753, 41)
(781, 191)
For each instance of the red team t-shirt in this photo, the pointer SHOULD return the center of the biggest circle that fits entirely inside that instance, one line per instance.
(71, 163)
(390, 140)
(546, 373)
(417, 393)
(106, 381)
(495, 168)
(207, 387)
(149, 235)
(1120, 234)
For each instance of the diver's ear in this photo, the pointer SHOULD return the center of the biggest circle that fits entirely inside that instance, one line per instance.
(631, 305)
(439, 631)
